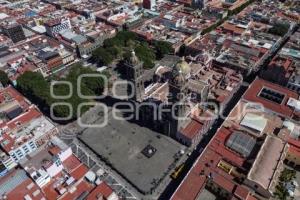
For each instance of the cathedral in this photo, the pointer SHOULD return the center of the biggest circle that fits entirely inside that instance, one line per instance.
(165, 105)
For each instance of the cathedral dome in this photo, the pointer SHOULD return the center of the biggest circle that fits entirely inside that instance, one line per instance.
(182, 67)
(180, 72)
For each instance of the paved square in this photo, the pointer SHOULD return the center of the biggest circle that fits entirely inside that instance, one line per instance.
(121, 143)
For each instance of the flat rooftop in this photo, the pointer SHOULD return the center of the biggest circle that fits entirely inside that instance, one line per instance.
(121, 143)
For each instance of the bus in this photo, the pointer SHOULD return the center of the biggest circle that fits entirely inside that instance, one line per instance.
(177, 171)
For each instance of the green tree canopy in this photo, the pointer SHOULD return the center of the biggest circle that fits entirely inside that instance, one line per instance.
(4, 80)
(123, 38)
(279, 28)
(162, 48)
(145, 54)
(37, 89)
(101, 55)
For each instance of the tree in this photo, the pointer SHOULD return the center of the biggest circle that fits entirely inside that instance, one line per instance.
(124, 36)
(4, 80)
(37, 89)
(162, 48)
(130, 43)
(286, 176)
(240, 8)
(145, 54)
(94, 84)
(281, 192)
(34, 87)
(279, 29)
(115, 51)
(121, 39)
(148, 63)
(110, 42)
(101, 55)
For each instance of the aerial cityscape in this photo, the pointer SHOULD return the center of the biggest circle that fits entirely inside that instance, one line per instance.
(150, 100)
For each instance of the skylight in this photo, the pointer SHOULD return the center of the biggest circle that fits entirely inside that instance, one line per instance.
(271, 95)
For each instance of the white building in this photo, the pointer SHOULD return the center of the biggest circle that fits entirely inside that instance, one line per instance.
(40, 177)
(46, 163)
(21, 151)
(31, 137)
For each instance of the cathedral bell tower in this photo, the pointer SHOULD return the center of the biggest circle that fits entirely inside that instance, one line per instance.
(134, 68)
(178, 89)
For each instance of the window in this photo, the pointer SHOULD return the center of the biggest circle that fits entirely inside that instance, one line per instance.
(32, 145)
(271, 95)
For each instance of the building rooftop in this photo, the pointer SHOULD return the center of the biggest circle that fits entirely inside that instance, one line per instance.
(102, 190)
(11, 181)
(268, 162)
(34, 128)
(210, 163)
(255, 94)
(254, 132)
(192, 129)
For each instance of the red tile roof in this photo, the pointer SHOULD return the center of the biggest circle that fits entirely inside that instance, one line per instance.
(294, 150)
(102, 189)
(54, 150)
(14, 94)
(233, 28)
(77, 170)
(23, 189)
(49, 189)
(23, 119)
(82, 187)
(218, 145)
(241, 192)
(192, 129)
(190, 187)
(282, 109)
(19, 121)
(207, 165)
(226, 184)
(71, 163)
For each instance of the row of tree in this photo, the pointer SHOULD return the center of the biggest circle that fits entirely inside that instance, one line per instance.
(119, 47)
(37, 89)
